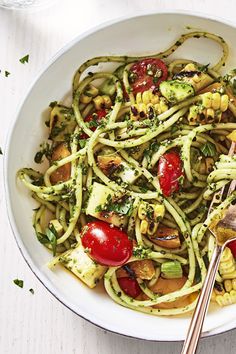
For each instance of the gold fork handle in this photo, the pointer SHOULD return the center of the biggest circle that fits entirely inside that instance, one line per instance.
(195, 328)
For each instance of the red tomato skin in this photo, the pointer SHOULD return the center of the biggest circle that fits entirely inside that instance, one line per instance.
(232, 246)
(144, 81)
(169, 171)
(107, 245)
(100, 114)
(129, 286)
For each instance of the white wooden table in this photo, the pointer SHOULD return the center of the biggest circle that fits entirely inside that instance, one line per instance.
(35, 324)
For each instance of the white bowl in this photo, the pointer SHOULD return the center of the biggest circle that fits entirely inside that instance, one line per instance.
(139, 35)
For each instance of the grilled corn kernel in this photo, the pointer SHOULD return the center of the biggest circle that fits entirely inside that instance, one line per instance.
(144, 227)
(142, 211)
(85, 99)
(152, 228)
(210, 113)
(163, 106)
(146, 97)
(91, 91)
(215, 101)
(226, 299)
(159, 210)
(98, 102)
(155, 99)
(224, 103)
(102, 102)
(228, 285)
(139, 98)
(219, 292)
(193, 114)
(213, 295)
(206, 99)
(107, 101)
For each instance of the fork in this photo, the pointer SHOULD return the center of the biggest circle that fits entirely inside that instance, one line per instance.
(224, 232)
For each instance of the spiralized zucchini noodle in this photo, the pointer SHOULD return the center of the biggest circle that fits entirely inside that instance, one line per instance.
(141, 150)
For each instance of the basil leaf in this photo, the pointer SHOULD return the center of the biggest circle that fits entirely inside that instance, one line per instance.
(25, 59)
(19, 282)
(208, 149)
(52, 236)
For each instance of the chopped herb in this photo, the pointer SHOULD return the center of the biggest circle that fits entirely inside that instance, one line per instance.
(25, 59)
(7, 73)
(82, 143)
(204, 68)
(98, 208)
(19, 282)
(45, 150)
(32, 291)
(1, 152)
(50, 237)
(53, 104)
(174, 129)
(208, 150)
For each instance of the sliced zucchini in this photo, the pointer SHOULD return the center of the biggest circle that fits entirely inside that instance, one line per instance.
(79, 263)
(192, 75)
(113, 165)
(176, 91)
(97, 206)
(138, 151)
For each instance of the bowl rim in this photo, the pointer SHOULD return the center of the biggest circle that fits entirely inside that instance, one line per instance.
(26, 255)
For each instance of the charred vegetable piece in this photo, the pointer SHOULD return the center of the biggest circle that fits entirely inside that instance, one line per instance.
(192, 75)
(79, 263)
(97, 206)
(115, 166)
(176, 91)
(166, 237)
(62, 174)
(109, 164)
(166, 286)
(171, 270)
(143, 269)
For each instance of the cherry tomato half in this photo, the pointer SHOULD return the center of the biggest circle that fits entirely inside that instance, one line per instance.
(169, 172)
(95, 117)
(232, 246)
(147, 74)
(129, 286)
(107, 245)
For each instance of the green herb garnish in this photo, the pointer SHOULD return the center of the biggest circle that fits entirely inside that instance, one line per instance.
(32, 291)
(19, 282)
(208, 149)
(25, 59)
(7, 73)
(50, 237)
